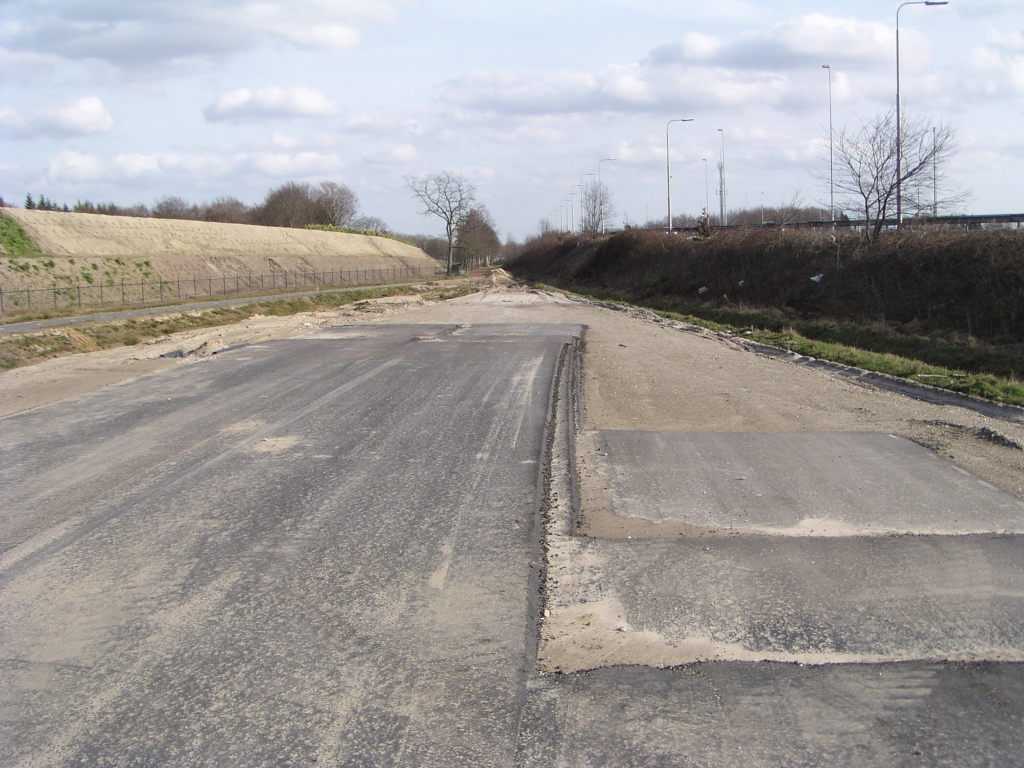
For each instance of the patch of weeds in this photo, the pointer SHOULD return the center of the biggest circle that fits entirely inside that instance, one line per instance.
(15, 240)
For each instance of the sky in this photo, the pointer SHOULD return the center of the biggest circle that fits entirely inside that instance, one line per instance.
(132, 100)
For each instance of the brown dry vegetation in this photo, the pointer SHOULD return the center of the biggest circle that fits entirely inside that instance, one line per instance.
(947, 299)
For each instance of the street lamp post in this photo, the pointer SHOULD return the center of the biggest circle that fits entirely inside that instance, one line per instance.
(583, 198)
(668, 166)
(707, 193)
(899, 110)
(580, 193)
(831, 162)
(723, 211)
(600, 188)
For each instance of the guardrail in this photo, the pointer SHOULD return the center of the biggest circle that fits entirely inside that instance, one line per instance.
(109, 293)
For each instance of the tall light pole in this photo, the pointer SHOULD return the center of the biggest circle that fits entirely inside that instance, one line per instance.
(668, 166)
(935, 180)
(572, 211)
(600, 188)
(721, 192)
(899, 110)
(580, 193)
(707, 193)
(583, 198)
(831, 166)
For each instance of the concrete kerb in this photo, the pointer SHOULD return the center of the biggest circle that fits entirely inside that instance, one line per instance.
(916, 390)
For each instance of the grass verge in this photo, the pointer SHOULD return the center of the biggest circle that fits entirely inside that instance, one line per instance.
(19, 350)
(13, 239)
(982, 371)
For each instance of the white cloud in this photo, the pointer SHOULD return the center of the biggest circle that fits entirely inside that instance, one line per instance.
(800, 42)
(293, 164)
(775, 66)
(403, 153)
(991, 73)
(69, 166)
(25, 66)
(267, 103)
(85, 116)
(1010, 41)
(161, 33)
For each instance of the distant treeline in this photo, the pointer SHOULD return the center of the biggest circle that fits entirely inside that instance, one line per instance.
(293, 204)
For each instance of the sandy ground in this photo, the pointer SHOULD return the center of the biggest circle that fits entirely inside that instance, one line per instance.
(637, 375)
(112, 248)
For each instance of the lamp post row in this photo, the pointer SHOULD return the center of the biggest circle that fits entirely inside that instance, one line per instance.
(831, 153)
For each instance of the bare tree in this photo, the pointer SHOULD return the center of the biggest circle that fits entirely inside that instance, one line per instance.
(477, 238)
(371, 224)
(174, 207)
(598, 206)
(865, 172)
(227, 210)
(337, 203)
(449, 196)
(290, 205)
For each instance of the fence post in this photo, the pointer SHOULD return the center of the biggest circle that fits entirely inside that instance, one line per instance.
(79, 282)
(1, 300)
(143, 284)
(122, 291)
(195, 290)
(101, 293)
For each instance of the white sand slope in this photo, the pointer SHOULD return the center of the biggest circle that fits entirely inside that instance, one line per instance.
(112, 248)
(91, 235)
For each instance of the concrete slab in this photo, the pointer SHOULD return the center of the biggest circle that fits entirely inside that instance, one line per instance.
(816, 484)
(746, 715)
(797, 599)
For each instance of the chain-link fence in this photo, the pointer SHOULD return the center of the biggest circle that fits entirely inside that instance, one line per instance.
(110, 293)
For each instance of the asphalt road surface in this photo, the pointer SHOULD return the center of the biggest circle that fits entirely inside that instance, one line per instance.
(359, 548)
(314, 550)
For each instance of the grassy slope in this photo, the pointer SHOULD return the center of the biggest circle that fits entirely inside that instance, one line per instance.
(14, 240)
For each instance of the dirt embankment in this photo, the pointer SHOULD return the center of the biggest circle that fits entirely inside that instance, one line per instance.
(945, 283)
(90, 248)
